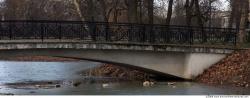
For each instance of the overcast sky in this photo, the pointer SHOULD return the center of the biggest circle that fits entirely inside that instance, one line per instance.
(224, 4)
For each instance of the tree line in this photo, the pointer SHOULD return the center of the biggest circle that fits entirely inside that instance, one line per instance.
(201, 13)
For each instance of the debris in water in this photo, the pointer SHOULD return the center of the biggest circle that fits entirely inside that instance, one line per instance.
(171, 83)
(146, 83)
(32, 92)
(6, 94)
(76, 84)
(105, 85)
(58, 85)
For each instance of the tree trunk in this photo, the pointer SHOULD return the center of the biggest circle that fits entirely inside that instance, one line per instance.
(231, 19)
(198, 13)
(188, 7)
(78, 10)
(140, 16)
(90, 10)
(150, 6)
(116, 11)
(132, 11)
(169, 15)
(150, 11)
(243, 21)
(104, 10)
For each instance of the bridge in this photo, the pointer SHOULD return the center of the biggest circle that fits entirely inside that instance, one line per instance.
(181, 51)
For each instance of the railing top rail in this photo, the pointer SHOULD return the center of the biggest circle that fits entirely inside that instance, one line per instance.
(111, 23)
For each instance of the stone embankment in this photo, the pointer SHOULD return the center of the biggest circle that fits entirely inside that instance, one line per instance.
(233, 70)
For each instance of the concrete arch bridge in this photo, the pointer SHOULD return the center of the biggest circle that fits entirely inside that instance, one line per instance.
(179, 51)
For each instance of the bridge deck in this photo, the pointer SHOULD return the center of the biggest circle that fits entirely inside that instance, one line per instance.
(113, 43)
(66, 44)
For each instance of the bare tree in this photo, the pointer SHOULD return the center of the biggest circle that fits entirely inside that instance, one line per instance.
(169, 15)
(78, 10)
(188, 7)
(132, 11)
(150, 6)
(243, 20)
(198, 13)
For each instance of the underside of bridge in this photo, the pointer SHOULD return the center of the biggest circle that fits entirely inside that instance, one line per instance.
(172, 61)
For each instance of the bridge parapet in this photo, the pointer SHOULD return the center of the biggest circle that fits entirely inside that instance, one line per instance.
(102, 32)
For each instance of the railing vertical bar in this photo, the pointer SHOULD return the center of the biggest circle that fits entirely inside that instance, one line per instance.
(10, 31)
(42, 31)
(60, 31)
(236, 37)
(191, 36)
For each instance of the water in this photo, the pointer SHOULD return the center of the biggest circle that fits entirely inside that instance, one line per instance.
(37, 71)
(11, 72)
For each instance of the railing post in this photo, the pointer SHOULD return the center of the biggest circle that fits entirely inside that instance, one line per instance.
(143, 33)
(166, 34)
(10, 31)
(92, 31)
(130, 33)
(236, 38)
(204, 35)
(83, 27)
(107, 35)
(42, 31)
(60, 30)
(226, 36)
(152, 35)
(191, 33)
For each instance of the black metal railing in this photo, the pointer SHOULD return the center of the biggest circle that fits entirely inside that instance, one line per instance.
(116, 32)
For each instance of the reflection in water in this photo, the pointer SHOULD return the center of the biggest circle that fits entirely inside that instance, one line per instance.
(11, 72)
(36, 71)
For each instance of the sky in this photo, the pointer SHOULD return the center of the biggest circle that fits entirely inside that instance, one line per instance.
(224, 4)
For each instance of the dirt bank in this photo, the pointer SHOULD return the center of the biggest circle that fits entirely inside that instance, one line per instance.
(233, 70)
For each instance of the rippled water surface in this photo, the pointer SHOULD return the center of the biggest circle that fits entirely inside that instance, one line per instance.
(11, 72)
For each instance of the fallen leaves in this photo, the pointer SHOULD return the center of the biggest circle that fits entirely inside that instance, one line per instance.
(233, 70)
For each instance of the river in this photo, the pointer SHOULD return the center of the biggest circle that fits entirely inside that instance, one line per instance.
(15, 72)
